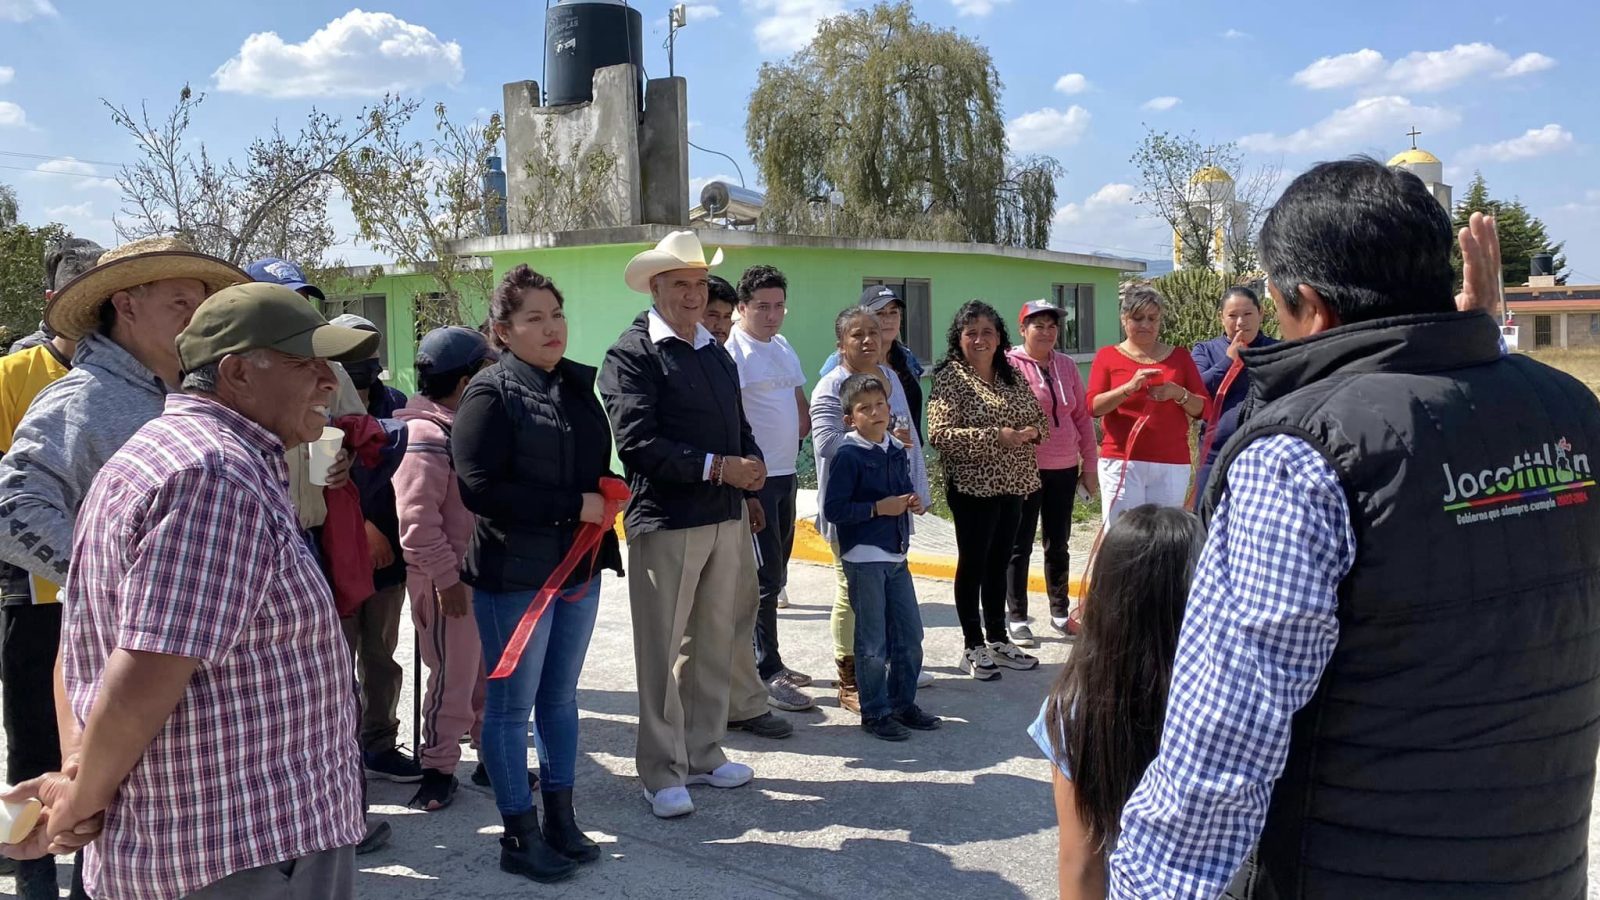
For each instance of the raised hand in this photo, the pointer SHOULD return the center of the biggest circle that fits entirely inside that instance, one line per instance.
(1481, 287)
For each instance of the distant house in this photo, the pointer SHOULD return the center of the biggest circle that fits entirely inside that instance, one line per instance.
(825, 275)
(1558, 317)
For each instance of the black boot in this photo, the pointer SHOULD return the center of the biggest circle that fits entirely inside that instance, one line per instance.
(561, 830)
(523, 851)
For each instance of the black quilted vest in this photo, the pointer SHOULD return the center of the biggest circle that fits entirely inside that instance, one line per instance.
(1449, 750)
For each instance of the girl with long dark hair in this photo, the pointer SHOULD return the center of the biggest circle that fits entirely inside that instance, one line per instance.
(984, 421)
(1101, 724)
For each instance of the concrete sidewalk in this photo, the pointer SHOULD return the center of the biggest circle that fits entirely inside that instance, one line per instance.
(962, 812)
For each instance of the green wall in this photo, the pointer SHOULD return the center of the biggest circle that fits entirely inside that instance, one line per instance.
(821, 282)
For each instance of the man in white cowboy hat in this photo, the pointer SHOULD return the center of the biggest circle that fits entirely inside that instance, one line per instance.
(673, 399)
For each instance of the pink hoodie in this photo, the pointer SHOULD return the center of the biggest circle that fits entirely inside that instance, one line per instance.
(435, 527)
(1071, 439)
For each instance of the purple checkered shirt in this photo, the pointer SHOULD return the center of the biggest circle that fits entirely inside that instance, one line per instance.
(187, 545)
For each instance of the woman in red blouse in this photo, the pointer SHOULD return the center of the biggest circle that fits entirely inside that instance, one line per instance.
(1142, 376)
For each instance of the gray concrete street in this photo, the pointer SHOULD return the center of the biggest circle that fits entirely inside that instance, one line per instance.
(964, 812)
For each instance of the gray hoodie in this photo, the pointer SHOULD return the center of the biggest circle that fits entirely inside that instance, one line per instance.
(71, 431)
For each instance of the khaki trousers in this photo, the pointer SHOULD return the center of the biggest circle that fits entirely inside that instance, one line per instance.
(748, 698)
(684, 586)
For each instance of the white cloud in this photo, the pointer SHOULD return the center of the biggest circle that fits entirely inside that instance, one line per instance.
(1161, 104)
(82, 210)
(1527, 64)
(696, 185)
(1341, 71)
(703, 12)
(978, 8)
(23, 10)
(85, 176)
(1424, 71)
(1349, 129)
(11, 115)
(1108, 220)
(786, 26)
(1047, 129)
(359, 54)
(1072, 83)
(1534, 142)
(6, 74)
(1234, 34)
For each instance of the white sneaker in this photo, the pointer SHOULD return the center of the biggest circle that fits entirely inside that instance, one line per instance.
(783, 599)
(975, 661)
(924, 679)
(1012, 657)
(727, 775)
(1020, 634)
(669, 803)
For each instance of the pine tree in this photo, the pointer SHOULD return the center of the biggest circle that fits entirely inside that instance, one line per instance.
(1522, 234)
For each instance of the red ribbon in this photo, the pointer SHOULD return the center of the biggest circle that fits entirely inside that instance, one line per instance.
(587, 543)
(1213, 416)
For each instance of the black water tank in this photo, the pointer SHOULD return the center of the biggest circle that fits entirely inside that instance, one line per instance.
(583, 36)
(1542, 264)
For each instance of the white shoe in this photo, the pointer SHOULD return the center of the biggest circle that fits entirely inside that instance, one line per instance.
(975, 661)
(727, 775)
(669, 803)
(1012, 657)
(924, 679)
(783, 599)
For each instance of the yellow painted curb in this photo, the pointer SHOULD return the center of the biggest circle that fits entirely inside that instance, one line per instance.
(809, 546)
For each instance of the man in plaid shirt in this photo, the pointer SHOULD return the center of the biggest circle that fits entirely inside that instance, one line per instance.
(202, 653)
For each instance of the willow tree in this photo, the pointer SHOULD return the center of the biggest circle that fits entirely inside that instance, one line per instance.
(902, 122)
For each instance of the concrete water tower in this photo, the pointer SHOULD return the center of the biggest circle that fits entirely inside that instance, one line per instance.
(597, 106)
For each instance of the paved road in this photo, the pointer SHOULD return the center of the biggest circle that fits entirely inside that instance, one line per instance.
(962, 813)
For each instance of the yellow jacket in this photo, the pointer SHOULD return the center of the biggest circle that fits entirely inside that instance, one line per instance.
(22, 376)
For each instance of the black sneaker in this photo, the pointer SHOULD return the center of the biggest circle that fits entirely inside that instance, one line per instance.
(394, 765)
(377, 838)
(765, 725)
(885, 729)
(480, 777)
(437, 791)
(914, 718)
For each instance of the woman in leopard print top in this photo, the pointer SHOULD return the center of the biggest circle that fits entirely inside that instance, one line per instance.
(984, 421)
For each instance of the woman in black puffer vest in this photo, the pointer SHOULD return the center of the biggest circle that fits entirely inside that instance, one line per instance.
(530, 446)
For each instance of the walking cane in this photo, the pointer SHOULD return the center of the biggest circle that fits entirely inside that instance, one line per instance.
(416, 684)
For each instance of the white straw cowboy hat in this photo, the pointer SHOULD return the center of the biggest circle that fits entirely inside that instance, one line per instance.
(678, 250)
(74, 311)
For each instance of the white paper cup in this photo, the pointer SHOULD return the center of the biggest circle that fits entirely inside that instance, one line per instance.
(18, 819)
(324, 452)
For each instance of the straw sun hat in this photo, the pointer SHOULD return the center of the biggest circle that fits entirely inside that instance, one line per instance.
(74, 311)
(678, 250)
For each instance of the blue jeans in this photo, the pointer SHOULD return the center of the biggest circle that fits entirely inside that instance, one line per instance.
(888, 636)
(546, 680)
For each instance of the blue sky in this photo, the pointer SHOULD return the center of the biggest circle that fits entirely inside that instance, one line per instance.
(1490, 85)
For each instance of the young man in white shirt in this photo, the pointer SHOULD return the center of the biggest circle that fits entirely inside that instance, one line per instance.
(772, 386)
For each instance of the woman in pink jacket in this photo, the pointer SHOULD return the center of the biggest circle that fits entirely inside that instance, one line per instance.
(435, 528)
(1067, 458)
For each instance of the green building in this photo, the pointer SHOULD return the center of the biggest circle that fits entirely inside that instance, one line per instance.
(825, 275)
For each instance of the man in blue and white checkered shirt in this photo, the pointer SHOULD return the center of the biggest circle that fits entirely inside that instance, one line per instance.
(1369, 681)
